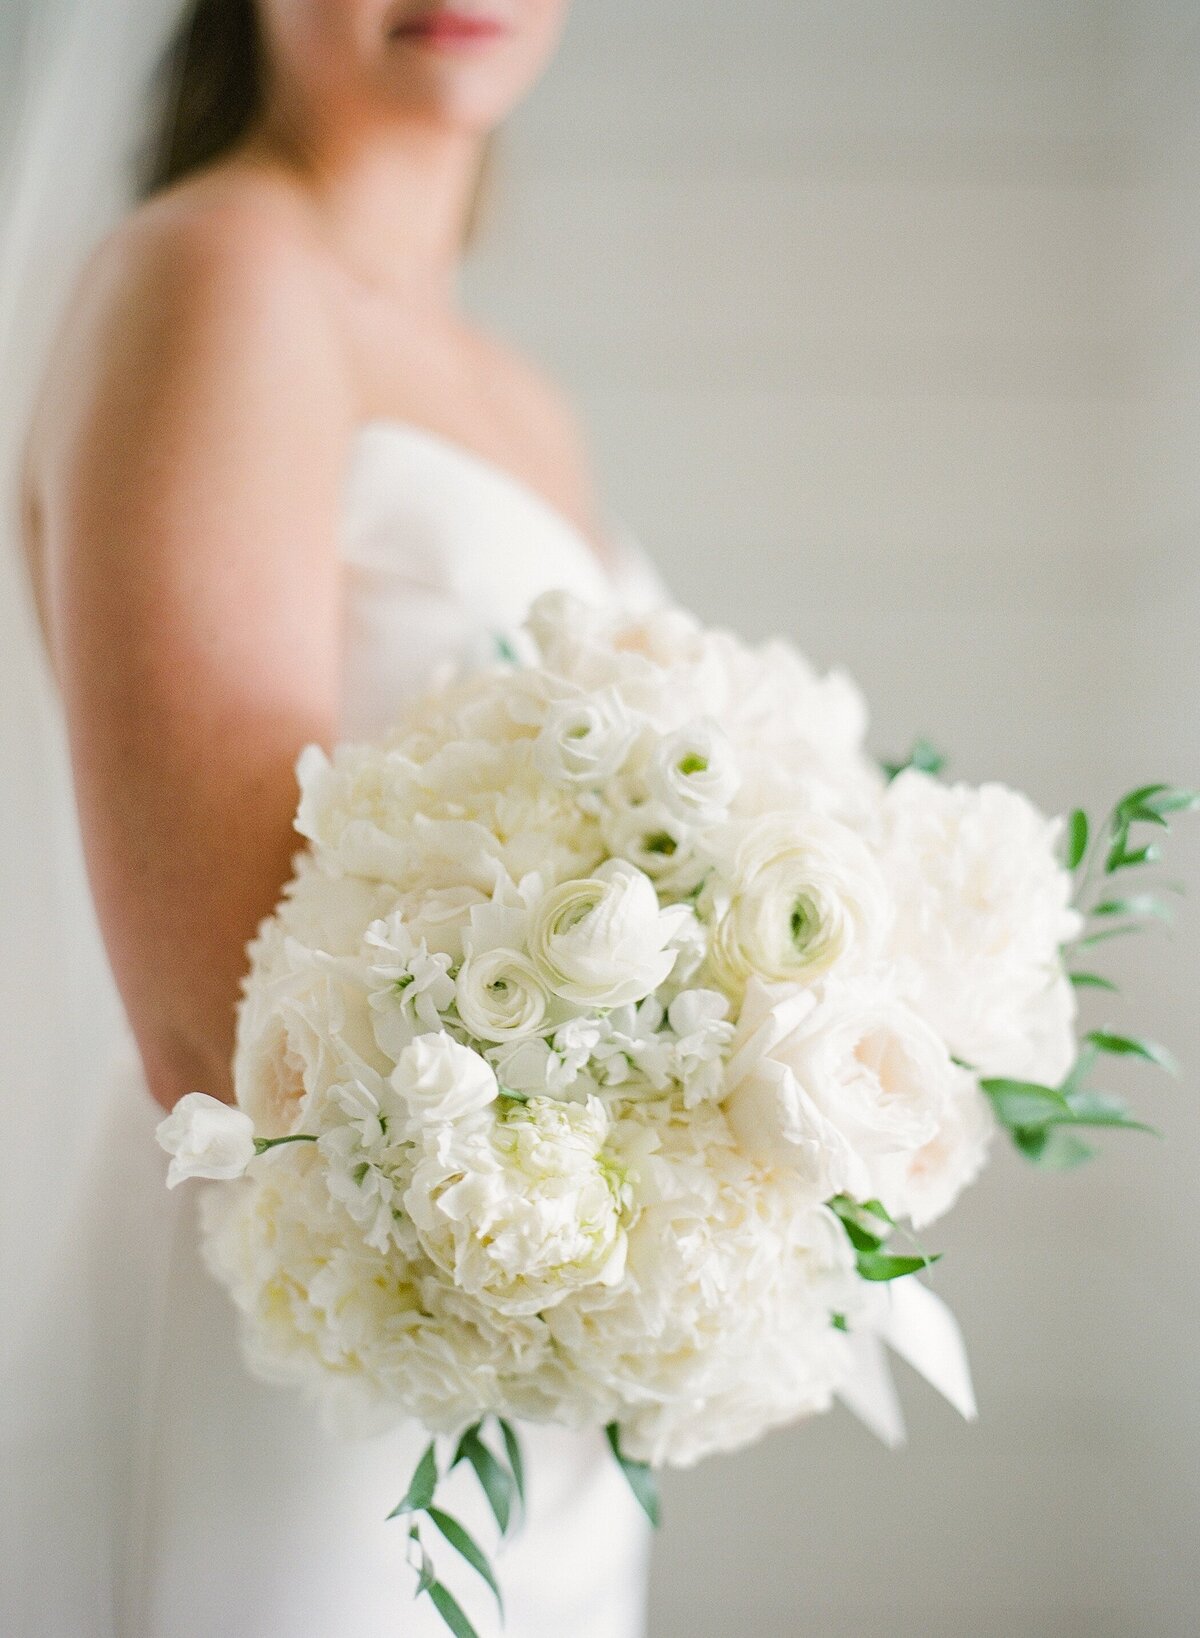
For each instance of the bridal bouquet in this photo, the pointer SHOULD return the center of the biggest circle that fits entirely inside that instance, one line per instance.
(620, 1029)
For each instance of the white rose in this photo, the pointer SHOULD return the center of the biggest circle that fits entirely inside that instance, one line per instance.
(500, 995)
(584, 741)
(603, 940)
(442, 1080)
(983, 905)
(693, 773)
(206, 1138)
(796, 895)
(524, 1209)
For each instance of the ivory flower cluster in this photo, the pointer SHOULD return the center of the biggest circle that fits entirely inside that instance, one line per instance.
(596, 983)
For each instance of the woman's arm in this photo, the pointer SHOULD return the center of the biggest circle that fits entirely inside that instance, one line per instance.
(189, 480)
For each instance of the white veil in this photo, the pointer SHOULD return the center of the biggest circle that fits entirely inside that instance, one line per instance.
(83, 75)
(78, 78)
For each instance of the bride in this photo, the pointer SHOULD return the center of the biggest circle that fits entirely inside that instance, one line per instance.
(272, 477)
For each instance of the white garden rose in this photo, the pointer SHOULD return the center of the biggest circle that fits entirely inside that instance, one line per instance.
(872, 1066)
(604, 940)
(523, 1207)
(694, 773)
(206, 1138)
(793, 897)
(584, 740)
(983, 906)
(441, 1080)
(922, 1186)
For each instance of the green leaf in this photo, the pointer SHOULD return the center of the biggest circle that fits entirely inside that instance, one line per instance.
(1105, 934)
(1092, 981)
(923, 756)
(1121, 858)
(640, 1476)
(426, 1575)
(1174, 799)
(1132, 1046)
(1052, 1147)
(1139, 904)
(451, 1611)
(1098, 1109)
(867, 1223)
(465, 1544)
(1077, 838)
(838, 1321)
(883, 1265)
(1023, 1103)
(420, 1487)
(496, 1480)
(512, 1446)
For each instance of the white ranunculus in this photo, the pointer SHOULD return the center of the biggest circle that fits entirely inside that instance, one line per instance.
(524, 1208)
(983, 905)
(500, 995)
(206, 1138)
(604, 940)
(584, 739)
(694, 773)
(649, 835)
(795, 896)
(441, 1080)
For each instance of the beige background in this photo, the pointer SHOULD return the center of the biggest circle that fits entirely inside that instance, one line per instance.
(885, 315)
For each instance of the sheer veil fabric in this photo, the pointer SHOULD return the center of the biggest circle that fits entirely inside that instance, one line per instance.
(81, 80)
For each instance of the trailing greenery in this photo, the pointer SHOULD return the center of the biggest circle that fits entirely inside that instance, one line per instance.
(639, 1474)
(503, 1484)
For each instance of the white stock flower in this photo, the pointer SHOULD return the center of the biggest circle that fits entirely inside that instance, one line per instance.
(206, 1138)
(983, 905)
(414, 987)
(699, 1020)
(694, 773)
(441, 1080)
(524, 1208)
(795, 895)
(584, 740)
(604, 940)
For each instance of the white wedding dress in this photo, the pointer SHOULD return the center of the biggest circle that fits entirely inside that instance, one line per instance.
(158, 1490)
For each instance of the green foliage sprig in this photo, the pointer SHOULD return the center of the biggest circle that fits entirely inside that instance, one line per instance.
(503, 1484)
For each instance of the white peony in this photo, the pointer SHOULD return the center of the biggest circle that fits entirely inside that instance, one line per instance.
(206, 1138)
(983, 906)
(441, 1080)
(523, 1208)
(604, 940)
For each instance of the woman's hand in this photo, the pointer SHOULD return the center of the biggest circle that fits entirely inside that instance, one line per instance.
(188, 478)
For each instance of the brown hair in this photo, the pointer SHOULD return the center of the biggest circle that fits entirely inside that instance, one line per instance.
(211, 89)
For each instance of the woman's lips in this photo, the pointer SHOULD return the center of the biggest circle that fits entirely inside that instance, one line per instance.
(451, 28)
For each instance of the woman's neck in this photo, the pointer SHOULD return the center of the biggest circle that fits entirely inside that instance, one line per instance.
(392, 198)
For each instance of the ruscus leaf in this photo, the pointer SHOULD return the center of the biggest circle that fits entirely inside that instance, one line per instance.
(420, 1487)
(640, 1476)
(466, 1546)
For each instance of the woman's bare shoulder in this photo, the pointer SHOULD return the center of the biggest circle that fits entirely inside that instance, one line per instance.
(189, 284)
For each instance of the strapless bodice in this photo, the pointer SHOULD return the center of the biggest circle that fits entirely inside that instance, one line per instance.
(444, 551)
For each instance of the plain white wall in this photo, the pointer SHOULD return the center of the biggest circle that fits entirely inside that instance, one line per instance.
(884, 318)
